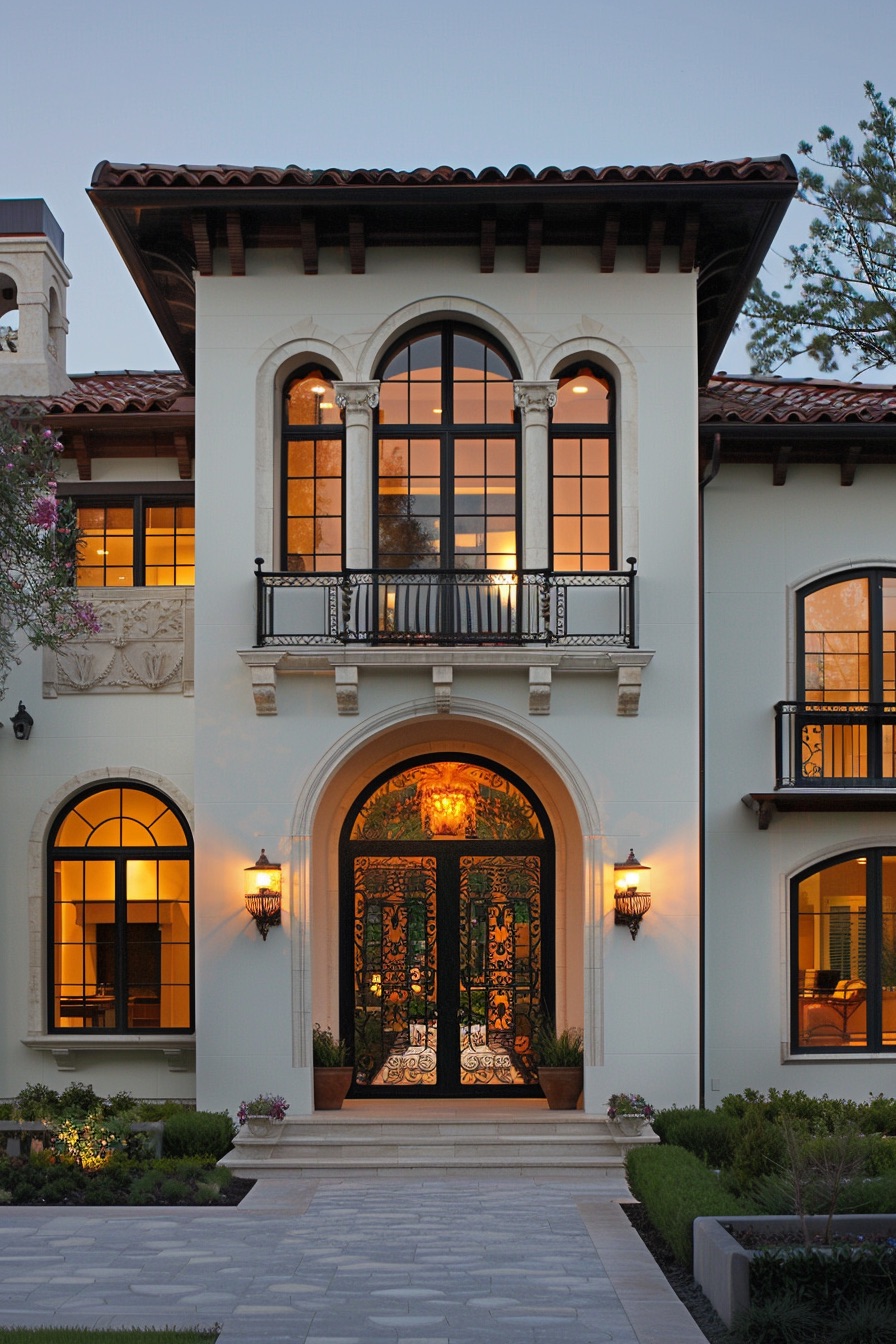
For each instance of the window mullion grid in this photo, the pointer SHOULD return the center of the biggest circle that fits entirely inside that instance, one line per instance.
(873, 946)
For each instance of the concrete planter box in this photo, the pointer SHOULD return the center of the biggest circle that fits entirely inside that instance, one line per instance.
(722, 1266)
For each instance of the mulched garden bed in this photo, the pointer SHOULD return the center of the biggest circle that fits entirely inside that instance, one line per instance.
(679, 1279)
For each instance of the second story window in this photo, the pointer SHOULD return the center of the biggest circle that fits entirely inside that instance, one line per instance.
(136, 541)
(583, 535)
(312, 474)
(847, 665)
(447, 455)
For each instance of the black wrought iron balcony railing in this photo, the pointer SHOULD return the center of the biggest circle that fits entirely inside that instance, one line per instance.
(832, 746)
(446, 607)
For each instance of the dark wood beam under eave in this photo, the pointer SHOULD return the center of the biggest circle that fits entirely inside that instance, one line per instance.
(488, 234)
(687, 254)
(654, 254)
(184, 464)
(779, 466)
(309, 244)
(356, 249)
(235, 246)
(849, 463)
(202, 243)
(82, 457)
(610, 241)
(534, 235)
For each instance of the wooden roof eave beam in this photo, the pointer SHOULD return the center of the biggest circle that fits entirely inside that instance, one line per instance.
(687, 253)
(610, 241)
(82, 457)
(202, 243)
(356, 248)
(488, 236)
(534, 235)
(184, 460)
(310, 256)
(849, 463)
(654, 253)
(236, 248)
(779, 466)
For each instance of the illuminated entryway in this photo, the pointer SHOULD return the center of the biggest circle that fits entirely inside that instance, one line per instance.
(447, 937)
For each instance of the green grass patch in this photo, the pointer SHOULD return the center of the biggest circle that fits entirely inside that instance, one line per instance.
(75, 1335)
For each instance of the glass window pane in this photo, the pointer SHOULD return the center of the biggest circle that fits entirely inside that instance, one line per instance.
(311, 400)
(831, 984)
(583, 397)
(836, 667)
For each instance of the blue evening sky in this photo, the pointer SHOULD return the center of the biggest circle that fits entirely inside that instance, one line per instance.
(402, 84)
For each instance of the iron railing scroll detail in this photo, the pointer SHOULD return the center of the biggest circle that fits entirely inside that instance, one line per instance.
(446, 607)
(833, 746)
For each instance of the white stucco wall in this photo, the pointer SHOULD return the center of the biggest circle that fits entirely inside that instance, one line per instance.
(761, 543)
(256, 1000)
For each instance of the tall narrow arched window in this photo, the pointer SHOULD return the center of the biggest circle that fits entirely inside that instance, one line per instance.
(120, 869)
(312, 481)
(447, 454)
(846, 659)
(843, 954)
(582, 473)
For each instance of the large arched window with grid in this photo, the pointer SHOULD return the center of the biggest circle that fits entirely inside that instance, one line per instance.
(120, 898)
(447, 454)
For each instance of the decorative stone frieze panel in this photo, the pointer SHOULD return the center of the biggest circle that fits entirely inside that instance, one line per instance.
(145, 645)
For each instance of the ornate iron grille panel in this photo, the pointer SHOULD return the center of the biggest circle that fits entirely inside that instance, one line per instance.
(835, 745)
(395, 970)
(500, 967)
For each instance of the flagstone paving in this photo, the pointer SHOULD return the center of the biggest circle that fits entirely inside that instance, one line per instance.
(437, 1261)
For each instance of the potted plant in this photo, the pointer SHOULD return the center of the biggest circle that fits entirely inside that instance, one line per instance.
(630, 1111)
(332, 1072)
(561, 1065)
(261, 1113)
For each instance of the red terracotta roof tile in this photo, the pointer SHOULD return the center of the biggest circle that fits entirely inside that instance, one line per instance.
(803, 401)
(142, 175)
(124, 391)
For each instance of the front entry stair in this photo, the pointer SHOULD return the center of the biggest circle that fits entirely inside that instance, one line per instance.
(427, 1139)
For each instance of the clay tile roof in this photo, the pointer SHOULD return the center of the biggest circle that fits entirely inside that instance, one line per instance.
(123, 391)
(142, 175)
(803, 401)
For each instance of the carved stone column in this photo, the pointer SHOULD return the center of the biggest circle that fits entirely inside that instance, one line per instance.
(358, 400)
(535, 401)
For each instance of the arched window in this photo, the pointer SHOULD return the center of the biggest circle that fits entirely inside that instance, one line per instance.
(582, 473)
(312, 474)
(447, 454)
(843, 954)
(120, 868)
(846, 660)
(9, 314)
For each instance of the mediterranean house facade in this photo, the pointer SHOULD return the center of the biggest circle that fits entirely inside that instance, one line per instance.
(441, 584)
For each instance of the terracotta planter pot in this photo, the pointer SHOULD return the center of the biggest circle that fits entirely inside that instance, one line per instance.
(330, 1088)
(561, 1087)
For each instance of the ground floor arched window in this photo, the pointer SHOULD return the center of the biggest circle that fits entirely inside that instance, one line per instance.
(120, 896)
(447, 930)
(843, 954)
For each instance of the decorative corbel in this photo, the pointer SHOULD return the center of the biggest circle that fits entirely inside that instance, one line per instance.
(442, 677)
(628, 691)
(346, 690)
(539, 690)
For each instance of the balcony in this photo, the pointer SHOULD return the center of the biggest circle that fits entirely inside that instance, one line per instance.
(831, 758)
(444, 619)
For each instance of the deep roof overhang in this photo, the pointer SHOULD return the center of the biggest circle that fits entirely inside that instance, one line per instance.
(169, 222)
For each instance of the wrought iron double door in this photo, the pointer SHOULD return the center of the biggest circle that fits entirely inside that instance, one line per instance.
(447, 960)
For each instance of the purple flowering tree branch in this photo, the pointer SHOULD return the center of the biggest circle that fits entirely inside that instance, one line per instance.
(39, 604)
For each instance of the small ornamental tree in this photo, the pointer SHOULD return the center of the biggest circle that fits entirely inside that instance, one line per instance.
(39, 605)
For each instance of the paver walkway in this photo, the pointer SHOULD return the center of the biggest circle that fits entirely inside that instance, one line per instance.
(353, 1262)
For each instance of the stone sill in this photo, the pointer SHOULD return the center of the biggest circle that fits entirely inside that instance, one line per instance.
(178, 1051)
(265, 665)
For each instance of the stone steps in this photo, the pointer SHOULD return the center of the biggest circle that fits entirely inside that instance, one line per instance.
(347, 1143)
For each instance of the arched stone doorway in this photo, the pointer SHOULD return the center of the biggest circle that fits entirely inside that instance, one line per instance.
(447, 947)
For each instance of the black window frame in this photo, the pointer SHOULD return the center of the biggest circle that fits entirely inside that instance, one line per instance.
(139, 496)
(297, 433)
(875, 574)
(446, 433)
(873, 979)
(587, 430)
(119, 854)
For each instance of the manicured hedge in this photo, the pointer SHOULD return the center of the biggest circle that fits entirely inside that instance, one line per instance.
(198, 1134)
(675, 1187)
(709, 1135)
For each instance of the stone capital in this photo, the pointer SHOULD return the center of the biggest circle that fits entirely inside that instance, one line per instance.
(535, 397)
(355, 398)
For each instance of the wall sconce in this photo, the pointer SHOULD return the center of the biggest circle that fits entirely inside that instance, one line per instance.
(22, 723)
(263, 893)
(632, 903)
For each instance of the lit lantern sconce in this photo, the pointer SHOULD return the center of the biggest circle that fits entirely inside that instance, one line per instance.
(632, 901)
(22, 723)
(263, 893)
